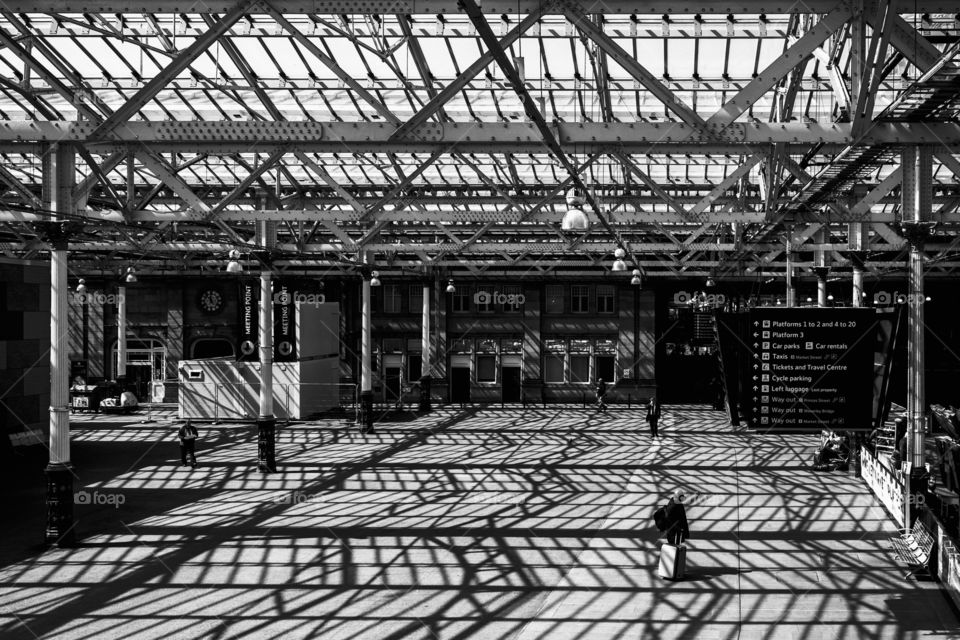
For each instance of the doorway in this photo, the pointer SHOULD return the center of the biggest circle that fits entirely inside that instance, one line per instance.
(460, 384)
(510, 376)
(391, 385)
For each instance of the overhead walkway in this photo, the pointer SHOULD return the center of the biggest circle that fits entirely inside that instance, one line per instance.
(477, 523)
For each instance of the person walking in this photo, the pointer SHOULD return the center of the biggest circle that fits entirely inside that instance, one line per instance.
(188, 444)
(601, 392)
(653, 416)
(676, 528)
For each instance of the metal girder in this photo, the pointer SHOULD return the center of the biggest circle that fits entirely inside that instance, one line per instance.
(547, 135)
(172, 70)
(775, 71)
(329, 62)
(639, 137)
(310, 164)
(245, 184)
(22, 190)
(764, 253)
(198, 208)
(495, 7)
(862, 209)
(653, 186)
(650, 82)
(743, 169)
(908, 41)
(408, 129)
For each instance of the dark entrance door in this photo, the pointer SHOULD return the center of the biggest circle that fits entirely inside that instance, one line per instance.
(460, 384)
(391, 381)
(511, 383)
(138, 379)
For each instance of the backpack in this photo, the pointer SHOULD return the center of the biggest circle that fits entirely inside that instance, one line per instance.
(660, 518)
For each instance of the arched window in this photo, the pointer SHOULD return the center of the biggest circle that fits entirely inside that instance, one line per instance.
(211, 348)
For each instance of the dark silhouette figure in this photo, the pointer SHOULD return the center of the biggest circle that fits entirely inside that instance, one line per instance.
(653, 415)
(601, 392)
(676, 528)
(188, 444)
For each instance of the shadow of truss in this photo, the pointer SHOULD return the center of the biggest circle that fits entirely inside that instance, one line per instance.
(507, 523)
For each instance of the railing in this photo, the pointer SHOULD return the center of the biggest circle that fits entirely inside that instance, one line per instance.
(886, 484)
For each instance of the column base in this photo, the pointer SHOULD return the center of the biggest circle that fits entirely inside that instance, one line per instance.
(60, 524)
(425, 387)
(267, 445)
(366, 412)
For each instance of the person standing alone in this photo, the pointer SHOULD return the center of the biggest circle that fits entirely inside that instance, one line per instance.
(653, 416)
(188, 444)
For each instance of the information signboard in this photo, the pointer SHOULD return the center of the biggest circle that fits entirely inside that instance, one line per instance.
(811, 368)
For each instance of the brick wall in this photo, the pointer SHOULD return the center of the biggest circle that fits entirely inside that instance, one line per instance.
(24, 351)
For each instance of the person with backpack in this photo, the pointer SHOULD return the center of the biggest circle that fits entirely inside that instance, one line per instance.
(671, 521)
(188, 444)
(676, 529)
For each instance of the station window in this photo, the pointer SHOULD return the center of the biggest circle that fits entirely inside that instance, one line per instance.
(414, 366)
(514, 295)
(579, 298)
(391, 299)
(462, 345)
(486, 367)
(605, 298)
(554, 295)
(415, 296)
(553, 360)
(605, 350)
(483, 299)
(461, 299)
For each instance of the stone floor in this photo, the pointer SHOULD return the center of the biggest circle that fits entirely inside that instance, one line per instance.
(477, 523)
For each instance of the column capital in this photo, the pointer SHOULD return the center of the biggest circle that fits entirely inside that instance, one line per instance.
(917, 231)
(857, 258)
(58, 233)
(821, 272)
(264, 256)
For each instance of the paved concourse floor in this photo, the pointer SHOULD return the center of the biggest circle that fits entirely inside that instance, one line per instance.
(520, 524)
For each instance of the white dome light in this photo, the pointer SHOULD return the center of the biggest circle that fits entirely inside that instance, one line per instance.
(575, 220)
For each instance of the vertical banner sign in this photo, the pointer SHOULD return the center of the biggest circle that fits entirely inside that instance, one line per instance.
(284, 325)
(811, 368)
(249, 317)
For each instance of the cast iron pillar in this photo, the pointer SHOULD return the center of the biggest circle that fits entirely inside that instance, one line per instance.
(60, 474)
(266, 423)
(857, 261)
(58, 181)
(121, 376)
(366, 382)
(788, 254)
(821, 273)
(916, 193)
(425, 350)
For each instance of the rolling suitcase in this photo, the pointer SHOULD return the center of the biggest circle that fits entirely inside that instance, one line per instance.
(673, 561)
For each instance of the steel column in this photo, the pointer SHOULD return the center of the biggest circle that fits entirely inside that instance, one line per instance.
(366, 382)
(266, 422)
(425, 350)
(121, 373)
